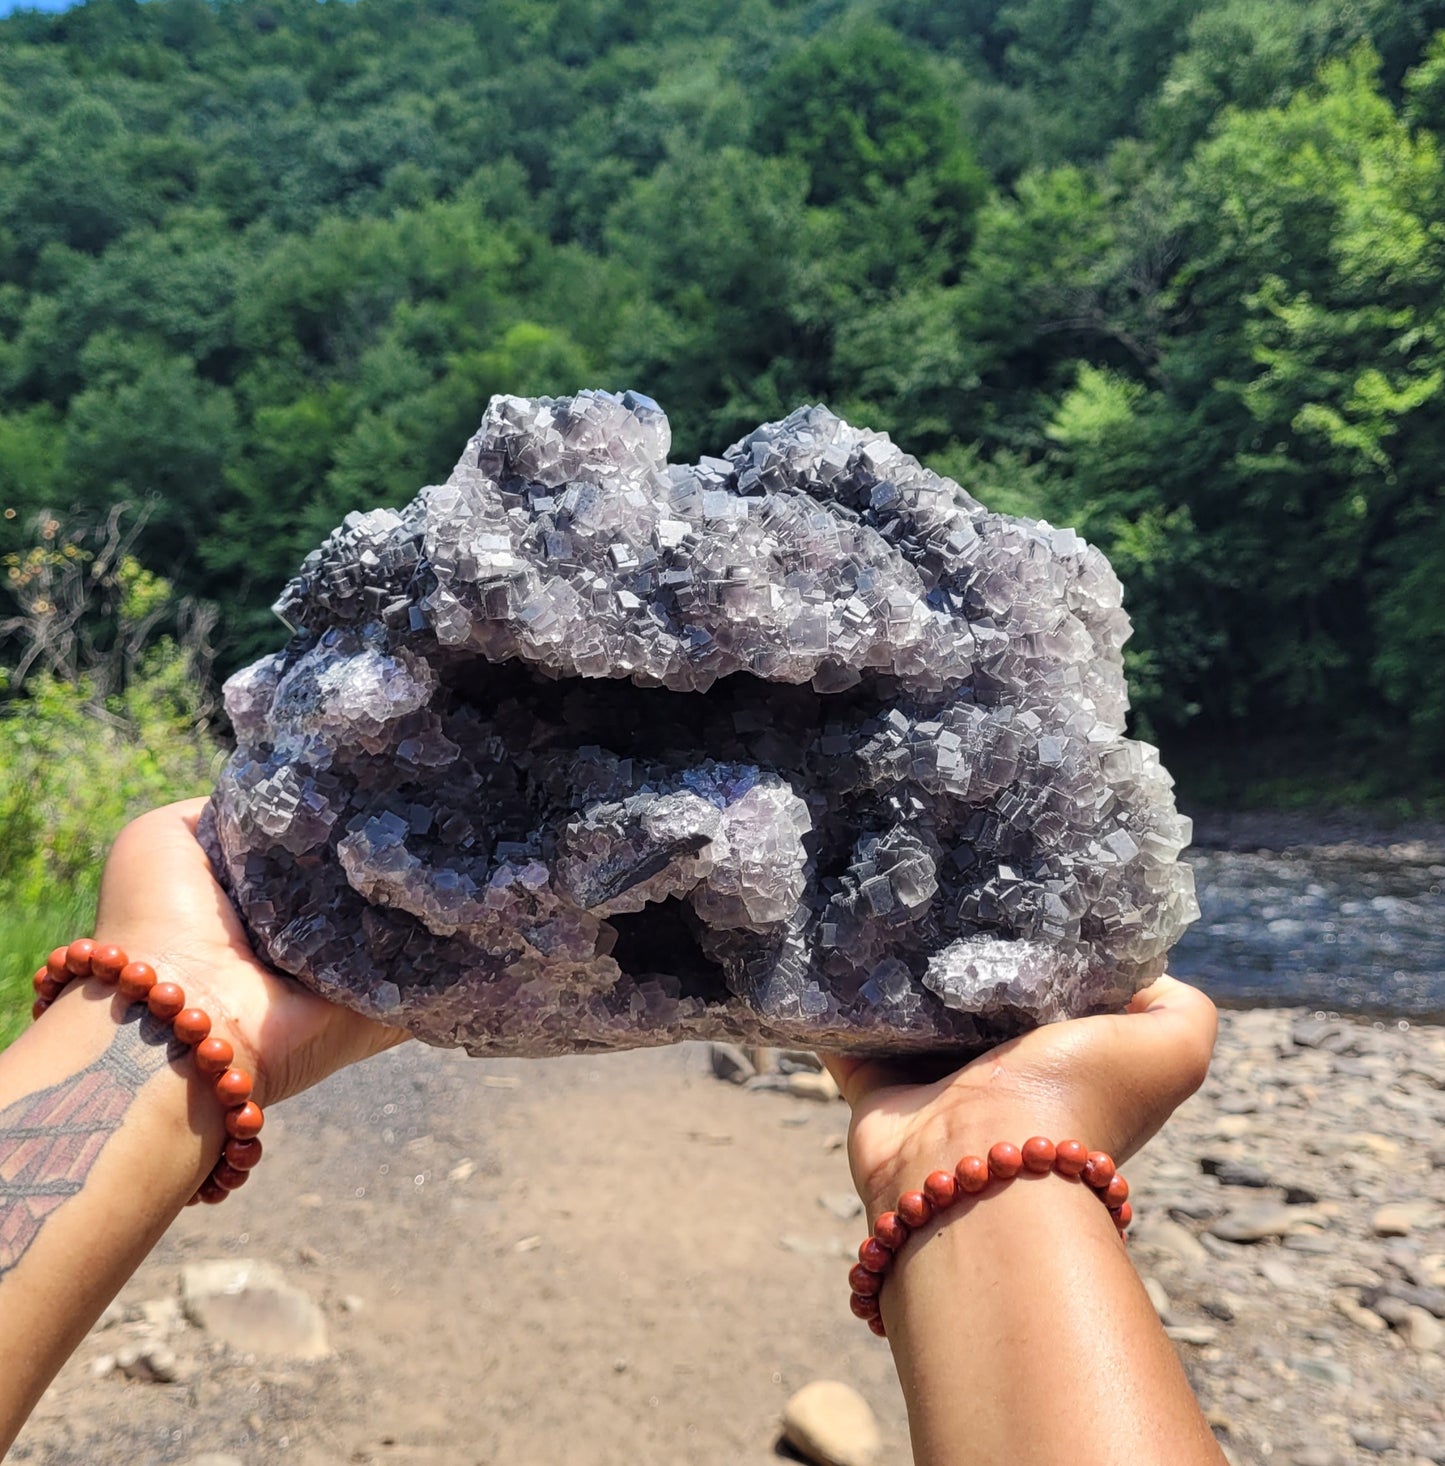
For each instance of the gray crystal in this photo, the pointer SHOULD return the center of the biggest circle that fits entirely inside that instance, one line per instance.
(800, 745)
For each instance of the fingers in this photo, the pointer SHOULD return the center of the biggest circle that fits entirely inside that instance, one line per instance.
(1170, 1029)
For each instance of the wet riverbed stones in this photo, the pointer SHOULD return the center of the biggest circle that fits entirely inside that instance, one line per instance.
(800, 744)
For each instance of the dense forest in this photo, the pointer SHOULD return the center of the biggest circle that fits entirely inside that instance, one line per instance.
(1172, 271)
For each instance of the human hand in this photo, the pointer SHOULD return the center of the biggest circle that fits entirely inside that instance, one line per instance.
(1109, 1081)
(161, 903)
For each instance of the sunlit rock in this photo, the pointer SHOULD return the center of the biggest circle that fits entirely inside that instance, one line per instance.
(798, 745)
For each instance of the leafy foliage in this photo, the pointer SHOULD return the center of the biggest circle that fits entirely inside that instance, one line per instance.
(1171, 270)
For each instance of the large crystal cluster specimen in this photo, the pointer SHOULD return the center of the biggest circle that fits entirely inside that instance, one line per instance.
(800, 745)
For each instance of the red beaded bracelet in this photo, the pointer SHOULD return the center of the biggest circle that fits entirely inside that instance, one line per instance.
(1069, 1158)
(191, 1026)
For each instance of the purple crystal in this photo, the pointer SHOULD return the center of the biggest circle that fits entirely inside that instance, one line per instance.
(798, 745)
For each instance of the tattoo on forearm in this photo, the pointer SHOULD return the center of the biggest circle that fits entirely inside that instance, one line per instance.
(50, 1140)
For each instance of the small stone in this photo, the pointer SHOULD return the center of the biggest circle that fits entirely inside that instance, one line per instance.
(729, 1062)
(1278, 1273)
(215, 1458)
(152, 1363)
(1171, 1238)
(1400, 1218)
(351, 1303)
(1234, 1173)
(1372, 1438)
(1326, 1371)
(1423, 1331)
(1192, 1333)
(1350, 1307)
(1221, 1308)
(250, 1305)
(830, 1423)
(1259, 1220)
(101, 1365)
(1314, 1456)
(812, 1086)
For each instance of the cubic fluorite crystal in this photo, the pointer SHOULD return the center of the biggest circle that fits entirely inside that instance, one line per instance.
(798, 745)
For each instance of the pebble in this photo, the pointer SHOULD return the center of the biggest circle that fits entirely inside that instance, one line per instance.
(1192, 1333)
(1372, 1438)
(1400, 1218)
(215, 1458)
(249, 1304)
(729, 1062)
(1423, 1331)
(1327, 1371)
(1351, 1308)
(830, 1423)
(812, 1086)
(1171, 1238)
(1255, 1222)
(1234, 1173)
(152, 1363)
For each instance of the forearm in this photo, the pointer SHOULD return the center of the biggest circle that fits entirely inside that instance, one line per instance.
(103, 1138)
(1022, 1333)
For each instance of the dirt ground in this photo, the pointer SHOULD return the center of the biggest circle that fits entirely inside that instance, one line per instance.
(597, 1261)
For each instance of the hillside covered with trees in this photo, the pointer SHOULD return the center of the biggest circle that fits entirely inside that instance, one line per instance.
(1172, 271)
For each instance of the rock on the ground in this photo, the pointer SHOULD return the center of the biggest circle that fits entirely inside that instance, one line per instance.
(731, 1063)
(1255, 1222)
(831, 1424)
(1400, 1218)
(250, 1305)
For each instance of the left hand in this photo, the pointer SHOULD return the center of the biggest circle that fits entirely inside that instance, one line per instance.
(1109, 1081)
(161, 902)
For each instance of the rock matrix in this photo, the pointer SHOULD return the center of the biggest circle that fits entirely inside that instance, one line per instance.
(799, 745)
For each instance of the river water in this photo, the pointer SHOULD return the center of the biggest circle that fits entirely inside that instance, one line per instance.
(1355, 934)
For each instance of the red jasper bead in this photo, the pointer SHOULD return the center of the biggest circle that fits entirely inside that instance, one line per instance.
(55, 964)
(1039, 1155)
(77, 957)
(243, 1154)
(1116, 1193)
(941, 1189)
(860, 1280)
(874, 1255)
(228, 1178)
(245, 1121)
(213, 1057)
(972, 1174)
(1070, 1157)
(864, 1307)
(136, 980)
(1098, 1169)
(211, 1193)
(233, 1087)
(1005, 1160)
(191, 1026)
(166, 1000)
(915, 1208)
(46, 986)
(37, 1008)
(891, 1230)
(107, 962)
(1123, 1216)
(876, 1324)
